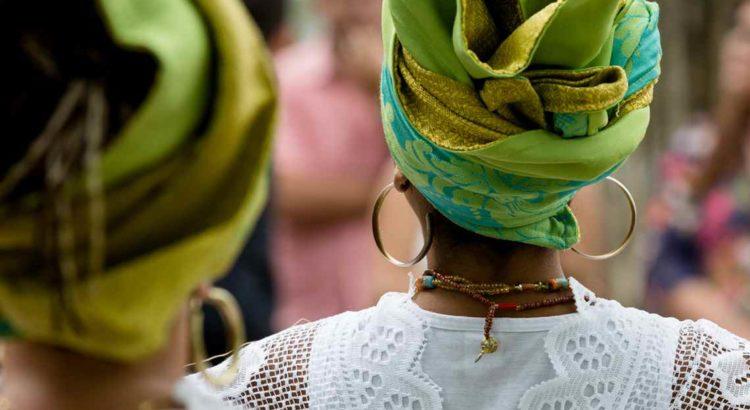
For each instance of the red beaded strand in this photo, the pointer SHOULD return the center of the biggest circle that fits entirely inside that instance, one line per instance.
(433, 279)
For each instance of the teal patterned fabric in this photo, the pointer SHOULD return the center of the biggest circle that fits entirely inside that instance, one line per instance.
(637, 44)
(580, 124)
(480, 197)
(469, 194)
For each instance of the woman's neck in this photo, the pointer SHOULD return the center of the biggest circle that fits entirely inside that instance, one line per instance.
(37, 376)
(485, 260)
(486, 263)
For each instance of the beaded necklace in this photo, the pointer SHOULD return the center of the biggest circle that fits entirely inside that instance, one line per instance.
(432, 279)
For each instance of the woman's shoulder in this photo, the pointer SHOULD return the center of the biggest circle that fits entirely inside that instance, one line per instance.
(712, 368)
(276, 370)
(695, 345)
(623, 357)
(346, 361)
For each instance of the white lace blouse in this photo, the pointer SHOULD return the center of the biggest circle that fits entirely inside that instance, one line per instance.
(397, 356)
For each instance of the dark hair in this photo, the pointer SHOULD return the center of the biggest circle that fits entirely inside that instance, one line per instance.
(44, 52)
(268, 14)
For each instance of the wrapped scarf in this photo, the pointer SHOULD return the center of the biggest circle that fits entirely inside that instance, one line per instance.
(499, 112)
(168, 202)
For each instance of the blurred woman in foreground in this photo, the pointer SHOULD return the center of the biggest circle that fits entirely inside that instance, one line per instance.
(134, 165)
(492, 143)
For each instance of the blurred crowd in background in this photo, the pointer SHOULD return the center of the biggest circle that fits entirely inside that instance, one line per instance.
(691, 258)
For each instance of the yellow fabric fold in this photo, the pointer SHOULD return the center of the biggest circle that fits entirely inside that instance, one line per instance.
(459, 117)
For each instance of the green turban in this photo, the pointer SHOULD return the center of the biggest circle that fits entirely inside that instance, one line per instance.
(168, 202)
(500, 111)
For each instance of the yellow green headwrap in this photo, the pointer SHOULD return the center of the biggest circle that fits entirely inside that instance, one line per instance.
(183, 183)
(500, 111)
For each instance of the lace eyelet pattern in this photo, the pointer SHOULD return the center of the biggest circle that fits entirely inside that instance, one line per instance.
(712, 369)
(605, 357)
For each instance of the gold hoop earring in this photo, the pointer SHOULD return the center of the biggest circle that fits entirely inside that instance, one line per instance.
(229, 310)
(631, 231)
(379, 241)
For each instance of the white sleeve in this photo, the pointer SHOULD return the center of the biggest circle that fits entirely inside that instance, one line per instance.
(712, 369)
(273, 372)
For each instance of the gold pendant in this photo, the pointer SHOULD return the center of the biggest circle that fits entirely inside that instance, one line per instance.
(489, 345)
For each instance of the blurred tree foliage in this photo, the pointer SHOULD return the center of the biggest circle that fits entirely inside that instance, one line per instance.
(692, 31)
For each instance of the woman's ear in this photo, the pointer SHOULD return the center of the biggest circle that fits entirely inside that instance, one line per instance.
(417, 201)
(202, 291)
(400, 181)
